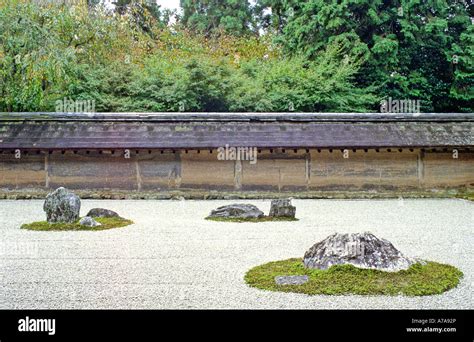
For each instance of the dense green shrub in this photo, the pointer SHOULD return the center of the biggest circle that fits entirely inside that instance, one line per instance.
(324, 84)
(134, 62)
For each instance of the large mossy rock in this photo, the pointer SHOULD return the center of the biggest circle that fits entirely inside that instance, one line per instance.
(244, 211)
(101, 212)
(62, 205)
(282, 208)
(360, 250)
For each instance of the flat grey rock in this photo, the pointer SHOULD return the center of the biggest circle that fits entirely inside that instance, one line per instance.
(282, 208)
(101, 212)
(62, 205)
(237, 211)
(291, 280)
(89, 222)
(360, 250)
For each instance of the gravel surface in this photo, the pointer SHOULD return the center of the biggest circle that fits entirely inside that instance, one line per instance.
(172, 258)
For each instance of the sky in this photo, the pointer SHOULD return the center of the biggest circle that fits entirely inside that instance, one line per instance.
(170, 4)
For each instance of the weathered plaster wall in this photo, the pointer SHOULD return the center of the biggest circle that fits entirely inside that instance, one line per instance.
(204, 171)
(442, 171)
(302, 170)
(276, 171)
(93, 171)
(26, 172)
(364, 170)
(157, 170)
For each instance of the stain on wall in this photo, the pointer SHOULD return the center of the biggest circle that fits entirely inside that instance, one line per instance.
(158, 170)
(204, 171)
(363, 170)
(92, 171)
(275, 171)
(26, 172)
(441, 170)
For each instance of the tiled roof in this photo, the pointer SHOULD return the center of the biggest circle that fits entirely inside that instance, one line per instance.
(212, 130)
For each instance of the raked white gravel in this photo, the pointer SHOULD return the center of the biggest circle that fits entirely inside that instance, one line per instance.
(173, 258)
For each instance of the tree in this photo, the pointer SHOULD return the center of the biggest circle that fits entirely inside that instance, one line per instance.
(331, 57)
(410, 43)
(462, 89)
(142, 12)
(38, 48)
(209, 16)
(272, 14)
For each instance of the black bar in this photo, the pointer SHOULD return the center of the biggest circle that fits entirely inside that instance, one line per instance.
(316, 325)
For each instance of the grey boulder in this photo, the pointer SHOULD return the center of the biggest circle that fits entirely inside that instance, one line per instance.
(89, 222)
(101, 212)
(282, 208)
(62, 205)
(237, 211)
(360, 250)
(291, 280)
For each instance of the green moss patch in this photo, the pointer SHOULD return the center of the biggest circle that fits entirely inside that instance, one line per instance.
(260, 219)
(419, 280)
(107, 223)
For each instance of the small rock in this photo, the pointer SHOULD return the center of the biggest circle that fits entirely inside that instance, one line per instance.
(62, 205)
(282, 208)
(360, 250)
(89, 222)
(100, 212)
(237, 211)
(291, 280)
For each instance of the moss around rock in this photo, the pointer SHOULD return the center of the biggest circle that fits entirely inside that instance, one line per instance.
(363, 250)
(237, 211)
(106, 223)
(245, 213)
(421, 279)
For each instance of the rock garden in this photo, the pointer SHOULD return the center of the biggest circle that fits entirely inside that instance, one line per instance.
(341, 264)
(281, 210)
(359, 264)
(62, 208)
